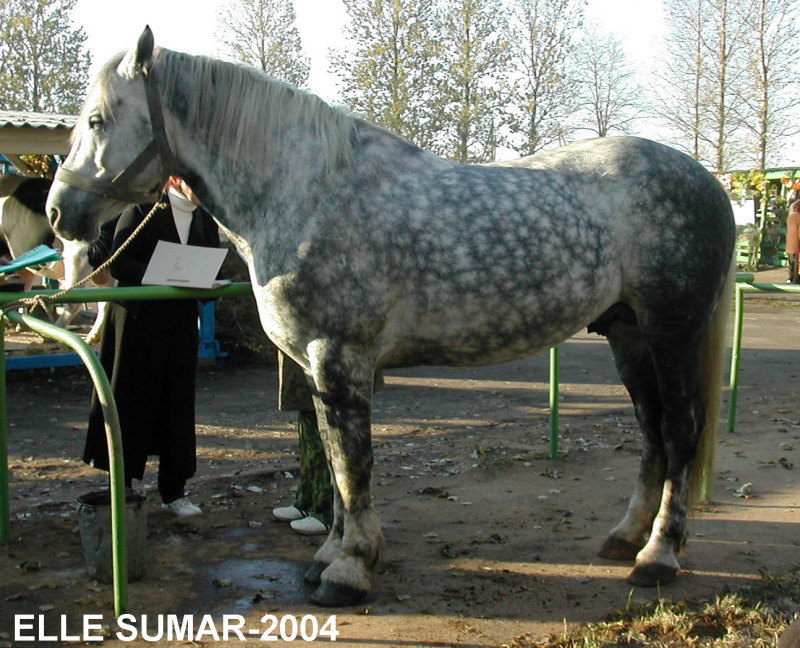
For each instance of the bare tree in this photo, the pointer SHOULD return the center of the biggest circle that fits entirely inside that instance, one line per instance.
(609, 92)
(264, 35)
(724, 41)
(44, 64)
(700, 88)
(681, 94)
(545, 92)
(475, 55)
(771, 94)
(388, 73)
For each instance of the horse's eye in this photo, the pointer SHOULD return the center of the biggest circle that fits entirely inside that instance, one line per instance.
(95, 121)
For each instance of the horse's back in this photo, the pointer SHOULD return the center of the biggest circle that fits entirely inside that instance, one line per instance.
(673, 216)
(567, 234)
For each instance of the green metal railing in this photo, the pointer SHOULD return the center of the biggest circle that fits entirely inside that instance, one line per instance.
(105, 398)
(745, 284)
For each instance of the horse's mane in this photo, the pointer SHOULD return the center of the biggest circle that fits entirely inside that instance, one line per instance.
(242, 111)
(238, 110)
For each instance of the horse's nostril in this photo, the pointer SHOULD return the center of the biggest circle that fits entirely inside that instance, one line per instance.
(54, 215)
(56, 219)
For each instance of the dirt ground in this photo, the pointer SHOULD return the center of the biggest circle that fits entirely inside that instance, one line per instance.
(488, 541)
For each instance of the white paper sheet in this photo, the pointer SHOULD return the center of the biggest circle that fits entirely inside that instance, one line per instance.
(191, 266)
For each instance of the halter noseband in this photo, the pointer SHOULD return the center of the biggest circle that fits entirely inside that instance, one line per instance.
(158, 148)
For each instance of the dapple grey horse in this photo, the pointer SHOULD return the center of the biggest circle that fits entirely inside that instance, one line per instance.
(367, 252)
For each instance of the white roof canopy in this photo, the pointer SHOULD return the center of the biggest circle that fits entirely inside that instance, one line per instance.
(29, 133)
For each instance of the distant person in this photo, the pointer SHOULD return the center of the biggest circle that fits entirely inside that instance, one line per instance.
(793, 242)
(149, 350)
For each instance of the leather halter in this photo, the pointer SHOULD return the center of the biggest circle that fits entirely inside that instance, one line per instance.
(117, 188)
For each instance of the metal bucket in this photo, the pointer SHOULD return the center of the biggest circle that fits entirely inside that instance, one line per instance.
(94, 522)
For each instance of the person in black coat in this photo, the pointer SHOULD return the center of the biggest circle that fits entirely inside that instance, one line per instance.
(149, 350)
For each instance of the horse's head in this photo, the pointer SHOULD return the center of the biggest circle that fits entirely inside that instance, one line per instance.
(102, 174)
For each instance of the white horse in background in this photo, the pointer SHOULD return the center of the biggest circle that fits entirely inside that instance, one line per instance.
(24, 226)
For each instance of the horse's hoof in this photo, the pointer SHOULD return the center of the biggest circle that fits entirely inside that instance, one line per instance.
(651, 575)
(618, 549)
(314, 573)
(330, 595)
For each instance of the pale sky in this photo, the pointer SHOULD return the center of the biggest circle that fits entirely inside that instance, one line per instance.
(189, 25)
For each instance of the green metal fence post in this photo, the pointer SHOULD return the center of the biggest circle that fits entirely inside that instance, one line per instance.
(554, 402)
(119, 534)
(736, 349)
(5, 515)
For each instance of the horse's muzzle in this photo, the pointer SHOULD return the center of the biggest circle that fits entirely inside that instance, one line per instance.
(68, 213)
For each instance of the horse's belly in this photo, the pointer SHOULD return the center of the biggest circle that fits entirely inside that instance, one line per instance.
(461, 351)
(486, 333)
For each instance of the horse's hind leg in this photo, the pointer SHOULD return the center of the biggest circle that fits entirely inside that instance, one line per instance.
(635, 366)
(682, 422)
(344, 382)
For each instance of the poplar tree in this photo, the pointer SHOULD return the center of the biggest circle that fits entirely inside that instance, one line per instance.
(701, 86)
(44, 63)
(727, 24)
(263, 34)
(682, 96)
(773, 77)
(388, 73)
(475, 60)
(545, 92)
(609, 92)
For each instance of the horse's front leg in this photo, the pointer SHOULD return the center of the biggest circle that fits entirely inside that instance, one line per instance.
(344, 380)
(332, 547)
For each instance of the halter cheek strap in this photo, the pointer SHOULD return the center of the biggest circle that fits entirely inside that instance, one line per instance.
(118, 187)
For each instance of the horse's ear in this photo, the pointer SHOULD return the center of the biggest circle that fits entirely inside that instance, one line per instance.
(135, 59)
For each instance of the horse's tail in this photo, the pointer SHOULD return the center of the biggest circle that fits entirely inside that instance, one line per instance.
(712, 362)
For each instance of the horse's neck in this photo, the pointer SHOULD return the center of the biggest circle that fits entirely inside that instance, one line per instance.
(271, 206)
(262, 205)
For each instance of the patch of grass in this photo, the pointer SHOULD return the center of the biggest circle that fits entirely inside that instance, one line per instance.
(749, 617)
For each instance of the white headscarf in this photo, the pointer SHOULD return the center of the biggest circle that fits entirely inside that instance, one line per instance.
(182, 210)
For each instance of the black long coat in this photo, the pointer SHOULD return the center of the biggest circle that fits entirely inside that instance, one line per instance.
(149, 350)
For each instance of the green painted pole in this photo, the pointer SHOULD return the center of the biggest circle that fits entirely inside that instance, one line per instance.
(5, 510)
(116, 467)
(134, 293)
(762, 287)
(736, 350)
(554, 402)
